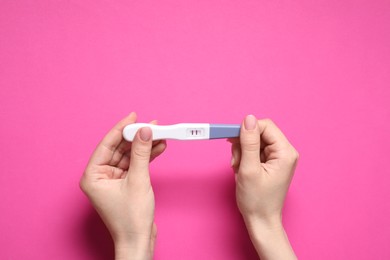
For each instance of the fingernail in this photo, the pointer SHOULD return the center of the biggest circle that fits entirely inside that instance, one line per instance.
(145, 134)
(232, 162)
(250, 122)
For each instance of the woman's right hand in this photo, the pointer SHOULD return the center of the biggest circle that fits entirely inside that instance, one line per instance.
(264, 162)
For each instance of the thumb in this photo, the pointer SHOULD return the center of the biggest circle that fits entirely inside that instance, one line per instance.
(140, 152)
(250, 145)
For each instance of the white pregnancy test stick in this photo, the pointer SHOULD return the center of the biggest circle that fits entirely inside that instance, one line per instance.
(184, 131)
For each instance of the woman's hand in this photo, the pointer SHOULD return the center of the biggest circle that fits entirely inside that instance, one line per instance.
(117, 182)
(264, 162)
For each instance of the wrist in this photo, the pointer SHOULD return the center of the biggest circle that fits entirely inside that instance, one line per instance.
(134, 249)
(263, 223)
(269, 237)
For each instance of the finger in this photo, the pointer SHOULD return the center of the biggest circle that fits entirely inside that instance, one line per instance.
(140, 152)
(109, 172)
(155, 143)
(154, 122)
(125, 161)
(158, 149)
(263, 156)
(237, 140)
(123, 148)
(278, 147)
(236, 156)
(233, 140)
(271, 134)
(116, 172)
(114, 137)
(107, 146)
(250, 145)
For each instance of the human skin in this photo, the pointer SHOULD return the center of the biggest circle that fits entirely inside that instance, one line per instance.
(264, 163)
(117, 182)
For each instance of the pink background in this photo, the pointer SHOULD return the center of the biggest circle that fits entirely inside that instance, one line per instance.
(69, 70)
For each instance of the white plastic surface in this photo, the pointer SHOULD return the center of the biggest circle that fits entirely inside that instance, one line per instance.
(183, 131)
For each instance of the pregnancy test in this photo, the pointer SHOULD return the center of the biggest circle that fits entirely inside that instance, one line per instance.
(184, 131)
